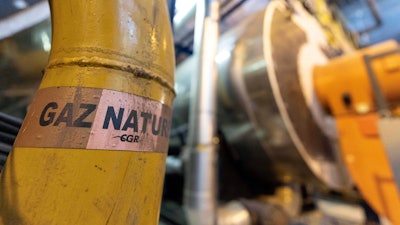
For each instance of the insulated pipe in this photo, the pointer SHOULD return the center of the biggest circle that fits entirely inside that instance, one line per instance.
(93, 145)
(200, 200)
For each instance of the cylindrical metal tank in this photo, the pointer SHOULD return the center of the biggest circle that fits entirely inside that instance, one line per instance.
(267, 109)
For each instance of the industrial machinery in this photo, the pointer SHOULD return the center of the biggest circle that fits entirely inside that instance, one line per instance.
(296, 122)
(367, 120)
(283, 99)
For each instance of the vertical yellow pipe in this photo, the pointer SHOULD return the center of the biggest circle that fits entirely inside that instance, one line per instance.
(93, 145)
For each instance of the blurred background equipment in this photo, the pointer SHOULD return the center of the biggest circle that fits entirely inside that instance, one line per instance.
(301, 130)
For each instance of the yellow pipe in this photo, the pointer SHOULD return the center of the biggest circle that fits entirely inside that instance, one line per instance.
(93, 145)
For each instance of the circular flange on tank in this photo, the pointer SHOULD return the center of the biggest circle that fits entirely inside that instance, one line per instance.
(293, 44)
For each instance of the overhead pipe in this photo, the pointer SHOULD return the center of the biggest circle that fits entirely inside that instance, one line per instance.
(183, 18)
(183, 24)
(200, 197)
(24, 19)
(179, 25)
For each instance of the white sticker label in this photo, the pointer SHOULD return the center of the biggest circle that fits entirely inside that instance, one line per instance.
(77, 117)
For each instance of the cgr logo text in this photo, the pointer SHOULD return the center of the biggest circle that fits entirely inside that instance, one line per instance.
(128, 138)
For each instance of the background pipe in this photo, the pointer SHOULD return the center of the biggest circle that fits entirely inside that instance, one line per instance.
(201, 169)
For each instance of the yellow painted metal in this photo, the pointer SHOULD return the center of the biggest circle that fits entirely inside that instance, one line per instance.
(356, 120)
(348, 75)
(118, 45)
(333, 29)
(367, 163)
